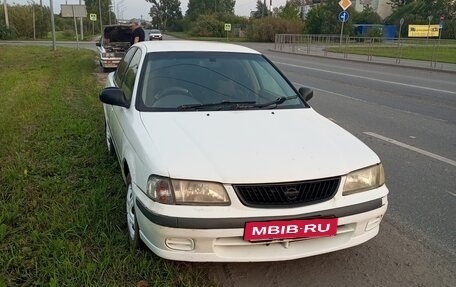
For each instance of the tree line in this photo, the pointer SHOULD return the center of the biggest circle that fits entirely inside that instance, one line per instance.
(207, 18)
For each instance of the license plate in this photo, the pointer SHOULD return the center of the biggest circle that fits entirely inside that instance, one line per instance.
(290, 229)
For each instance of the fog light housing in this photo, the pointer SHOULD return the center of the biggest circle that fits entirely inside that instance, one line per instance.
(180, 244)
(372, 223)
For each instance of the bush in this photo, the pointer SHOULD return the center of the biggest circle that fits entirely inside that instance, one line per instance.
(7, 33)
(449, 29)
(265, 29)
(212, 25)
(374, 32)
(207, 26)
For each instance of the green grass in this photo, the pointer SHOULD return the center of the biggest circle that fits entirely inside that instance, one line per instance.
(446, 53)
(62, 217)
(69, 35)
(185, 36)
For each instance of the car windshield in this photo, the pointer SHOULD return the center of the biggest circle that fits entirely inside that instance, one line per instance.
(155, 31)
(189, 81)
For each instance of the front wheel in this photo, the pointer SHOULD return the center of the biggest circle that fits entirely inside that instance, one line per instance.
(132, 222)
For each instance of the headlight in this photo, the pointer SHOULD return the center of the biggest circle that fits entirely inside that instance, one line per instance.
(190, 192)
(364, 179)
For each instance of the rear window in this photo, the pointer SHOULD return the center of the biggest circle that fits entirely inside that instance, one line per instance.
(170, 80)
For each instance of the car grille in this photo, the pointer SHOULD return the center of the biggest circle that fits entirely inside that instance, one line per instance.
(287, 194)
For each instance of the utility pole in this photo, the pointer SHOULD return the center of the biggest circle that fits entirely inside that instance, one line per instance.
(6, 14)
(33, 17)
(101, 20)
(82, 29)
(52, 24)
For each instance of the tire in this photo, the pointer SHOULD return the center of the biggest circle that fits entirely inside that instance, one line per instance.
(132, 222)
(109, 144)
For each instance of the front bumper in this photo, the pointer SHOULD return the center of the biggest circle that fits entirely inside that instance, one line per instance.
(221, 239)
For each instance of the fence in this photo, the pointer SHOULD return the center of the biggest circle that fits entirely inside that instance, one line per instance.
(429, 53)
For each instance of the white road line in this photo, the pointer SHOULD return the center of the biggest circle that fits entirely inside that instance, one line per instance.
(412, 148)
(368, 78)
(453, 194)
(373, 103)
(334, 93)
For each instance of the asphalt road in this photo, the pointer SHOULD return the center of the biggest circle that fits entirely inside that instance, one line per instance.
(380, 104)
(408, 117)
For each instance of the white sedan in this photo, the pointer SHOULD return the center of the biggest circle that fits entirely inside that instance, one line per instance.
(155, 35)
(224, 160)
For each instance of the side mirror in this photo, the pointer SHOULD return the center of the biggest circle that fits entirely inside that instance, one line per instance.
(98, 44)
(306, 93)
(114, 96)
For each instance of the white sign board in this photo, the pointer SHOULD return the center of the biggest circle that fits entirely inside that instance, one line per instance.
(93, 17)
(227, 27)
(70, 11)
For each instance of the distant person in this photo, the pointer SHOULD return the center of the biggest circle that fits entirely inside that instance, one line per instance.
(138, 34)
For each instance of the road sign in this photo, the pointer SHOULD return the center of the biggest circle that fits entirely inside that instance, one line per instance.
(71, 11)
(343, 16)
(345, 4)
(93, 17)
(227, 27)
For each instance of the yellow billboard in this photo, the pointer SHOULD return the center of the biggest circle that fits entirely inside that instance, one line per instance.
(423, 31)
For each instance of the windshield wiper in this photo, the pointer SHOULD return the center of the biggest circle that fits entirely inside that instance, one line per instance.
(275, 102)
(219, 106)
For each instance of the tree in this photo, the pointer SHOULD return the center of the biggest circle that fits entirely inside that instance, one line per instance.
(261, 10)
(290, 11)
(323, 19)
(94, 7)
(165, 13)
(21, 21)
(367, 16)
(203, 7)
(418, 11)
(396, 4)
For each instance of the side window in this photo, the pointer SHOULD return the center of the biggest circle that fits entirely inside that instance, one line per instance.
(123, 65)
(130, 75)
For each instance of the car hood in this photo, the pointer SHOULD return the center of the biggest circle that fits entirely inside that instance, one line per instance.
(252, 146)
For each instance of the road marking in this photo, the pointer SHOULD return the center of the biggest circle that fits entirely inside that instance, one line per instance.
(334, 93)
(453, 194)
(368, 78)
(412, 148)
(373, 103)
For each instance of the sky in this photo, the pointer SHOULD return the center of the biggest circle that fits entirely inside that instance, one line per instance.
(135, 8)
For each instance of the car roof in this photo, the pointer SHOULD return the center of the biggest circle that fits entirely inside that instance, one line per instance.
(192, 46)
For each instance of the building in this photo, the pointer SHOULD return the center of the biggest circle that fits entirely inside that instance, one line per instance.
(380, 6)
